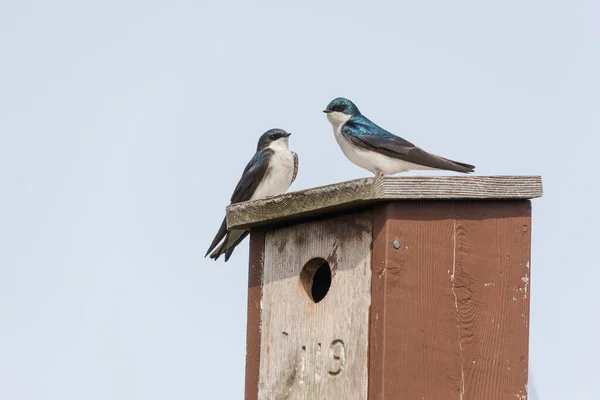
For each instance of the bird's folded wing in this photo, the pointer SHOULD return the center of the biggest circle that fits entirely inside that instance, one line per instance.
(218, 237)
(252, 176)
(373, 138)
(295, 167)
(368, 136)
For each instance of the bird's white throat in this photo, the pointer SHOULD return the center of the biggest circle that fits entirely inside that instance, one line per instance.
(279, 144)
(337, 118)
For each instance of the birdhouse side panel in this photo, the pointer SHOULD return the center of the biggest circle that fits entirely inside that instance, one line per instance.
(315, 310)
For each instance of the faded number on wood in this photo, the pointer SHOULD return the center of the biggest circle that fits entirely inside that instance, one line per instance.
(337, 360)
(335, 363)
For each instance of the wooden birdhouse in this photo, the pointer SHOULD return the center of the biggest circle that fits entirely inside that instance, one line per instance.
(390, 288)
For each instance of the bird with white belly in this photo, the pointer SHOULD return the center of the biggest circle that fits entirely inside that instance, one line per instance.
(377, 150)
(269, 173)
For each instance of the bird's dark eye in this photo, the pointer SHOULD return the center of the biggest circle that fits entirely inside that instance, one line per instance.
(273, 136)
(342, 107)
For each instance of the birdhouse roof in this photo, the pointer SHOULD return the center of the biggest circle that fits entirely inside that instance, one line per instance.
(344, 196)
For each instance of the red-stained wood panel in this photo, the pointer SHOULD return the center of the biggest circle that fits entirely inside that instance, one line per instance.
(450, 306)
(255, 269)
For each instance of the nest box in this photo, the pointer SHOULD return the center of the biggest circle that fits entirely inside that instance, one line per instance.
(390, 288)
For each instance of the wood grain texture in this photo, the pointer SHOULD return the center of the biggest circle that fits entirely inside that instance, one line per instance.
(491, 280)
(316, 350)
(346, 195)
(450, 307)
(255, 268)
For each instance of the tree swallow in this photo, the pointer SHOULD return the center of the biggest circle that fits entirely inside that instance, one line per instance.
(270, 172)
(377, 150)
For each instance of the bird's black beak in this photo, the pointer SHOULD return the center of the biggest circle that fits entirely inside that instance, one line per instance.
(286, 134)
(327, 111)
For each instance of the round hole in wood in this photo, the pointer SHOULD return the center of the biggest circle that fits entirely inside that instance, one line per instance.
(315, 278)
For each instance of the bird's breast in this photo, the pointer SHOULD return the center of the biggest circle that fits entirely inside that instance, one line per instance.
(278, 177)
(352, 152)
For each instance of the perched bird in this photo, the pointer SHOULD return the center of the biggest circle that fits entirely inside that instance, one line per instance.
(377, 150)
(270, 172)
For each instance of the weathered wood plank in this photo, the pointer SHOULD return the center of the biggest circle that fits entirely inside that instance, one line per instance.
(450, 305)
(346, 195)
(316, 350)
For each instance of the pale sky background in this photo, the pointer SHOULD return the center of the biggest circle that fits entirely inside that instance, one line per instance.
(125, 125)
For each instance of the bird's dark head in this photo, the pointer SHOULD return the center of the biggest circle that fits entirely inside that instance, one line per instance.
(340, 110)
(342, 105)
(273, 138)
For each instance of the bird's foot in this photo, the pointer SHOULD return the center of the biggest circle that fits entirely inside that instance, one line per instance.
(379, 175)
